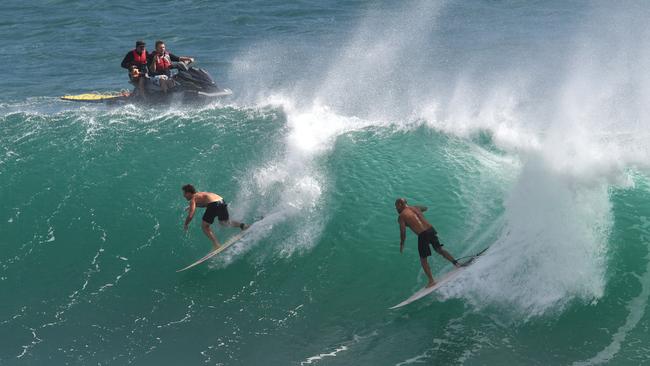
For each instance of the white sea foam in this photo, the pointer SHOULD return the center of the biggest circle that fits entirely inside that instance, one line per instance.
(291, 183)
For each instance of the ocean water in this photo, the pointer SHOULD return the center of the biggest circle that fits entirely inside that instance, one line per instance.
(521, 125)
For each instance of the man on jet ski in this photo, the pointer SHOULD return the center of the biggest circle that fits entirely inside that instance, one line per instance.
(136, 62)
(160, 64)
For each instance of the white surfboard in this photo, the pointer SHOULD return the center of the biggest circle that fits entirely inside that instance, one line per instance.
(446, 278)
(233, 239)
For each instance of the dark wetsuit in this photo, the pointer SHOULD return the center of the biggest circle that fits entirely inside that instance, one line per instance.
(429, 236)
(218, 209)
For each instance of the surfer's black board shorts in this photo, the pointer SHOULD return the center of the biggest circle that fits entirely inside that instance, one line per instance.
(218, 209)
(425, 238)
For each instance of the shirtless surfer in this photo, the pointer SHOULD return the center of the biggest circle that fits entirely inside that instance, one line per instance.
(412, 217)
(215, 206)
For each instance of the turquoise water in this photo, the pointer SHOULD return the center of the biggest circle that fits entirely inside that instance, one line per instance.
(522, 126)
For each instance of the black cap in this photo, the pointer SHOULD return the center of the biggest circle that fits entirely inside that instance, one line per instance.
(139, 43)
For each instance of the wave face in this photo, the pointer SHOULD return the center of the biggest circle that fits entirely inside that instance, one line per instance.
(521, 126)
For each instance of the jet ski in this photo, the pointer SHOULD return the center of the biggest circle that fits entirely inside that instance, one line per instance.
(191, 85)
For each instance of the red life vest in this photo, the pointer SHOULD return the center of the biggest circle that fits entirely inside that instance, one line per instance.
(140, 59)
(163, 63)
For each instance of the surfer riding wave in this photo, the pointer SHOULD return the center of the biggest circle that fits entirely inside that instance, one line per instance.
(215, 206)
(412, 217)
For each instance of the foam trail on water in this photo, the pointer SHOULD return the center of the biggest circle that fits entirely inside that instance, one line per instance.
(551, 249)
(291, 184)
(636, 308)
(553, 246)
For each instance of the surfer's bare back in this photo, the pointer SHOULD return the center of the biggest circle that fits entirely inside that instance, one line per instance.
(412, 217)
(215, 206)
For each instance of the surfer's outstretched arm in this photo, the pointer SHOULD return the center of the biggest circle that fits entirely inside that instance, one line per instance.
(421, 208)
(190, 213)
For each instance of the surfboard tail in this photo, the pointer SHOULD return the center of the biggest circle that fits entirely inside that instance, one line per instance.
(446, 278)
(213, 253)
